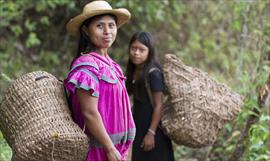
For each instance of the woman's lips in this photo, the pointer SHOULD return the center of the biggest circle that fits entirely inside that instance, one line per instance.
(108, 39)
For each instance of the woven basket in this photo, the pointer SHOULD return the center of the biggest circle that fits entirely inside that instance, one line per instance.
(36, 122)
(198, 105)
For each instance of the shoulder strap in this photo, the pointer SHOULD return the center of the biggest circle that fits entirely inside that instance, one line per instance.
(147, 85)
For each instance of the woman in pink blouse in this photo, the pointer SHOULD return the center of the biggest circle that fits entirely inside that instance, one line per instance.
(96, 84)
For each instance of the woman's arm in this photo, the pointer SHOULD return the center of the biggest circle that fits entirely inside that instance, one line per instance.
(89, 107)
(149, 139)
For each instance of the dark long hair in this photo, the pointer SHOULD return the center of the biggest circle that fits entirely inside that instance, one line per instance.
(84, 44)
(146, 39)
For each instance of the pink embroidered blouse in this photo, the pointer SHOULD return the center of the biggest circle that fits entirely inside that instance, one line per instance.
(103, 78)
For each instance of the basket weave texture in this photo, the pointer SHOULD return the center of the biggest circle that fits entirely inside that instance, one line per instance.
(36, 122)
(198, 106)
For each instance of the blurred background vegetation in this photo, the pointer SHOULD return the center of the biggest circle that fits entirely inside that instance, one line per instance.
(229, 39)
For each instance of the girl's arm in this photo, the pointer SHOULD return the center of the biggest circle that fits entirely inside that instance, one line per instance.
(89, 107)
(149, 139)
(157, 110)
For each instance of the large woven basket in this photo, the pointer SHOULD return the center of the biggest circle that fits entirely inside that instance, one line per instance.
(198, 107)
(36, 122)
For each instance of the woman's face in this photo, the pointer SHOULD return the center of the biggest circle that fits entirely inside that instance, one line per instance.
(102, 31)
(138, 53)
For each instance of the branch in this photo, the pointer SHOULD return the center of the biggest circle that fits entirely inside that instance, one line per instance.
(242, 43)
(264, 94)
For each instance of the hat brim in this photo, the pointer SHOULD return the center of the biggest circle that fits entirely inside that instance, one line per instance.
(122, 16)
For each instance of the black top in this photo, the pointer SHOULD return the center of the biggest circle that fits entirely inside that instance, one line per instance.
(142, 113)
(156, 83)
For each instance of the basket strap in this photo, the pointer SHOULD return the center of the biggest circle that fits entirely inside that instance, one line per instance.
(147, 85)
(148, 89)
(67, 97)
(84, 126)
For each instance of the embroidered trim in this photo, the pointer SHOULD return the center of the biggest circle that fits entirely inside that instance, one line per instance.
(83, 86)
(116, 138)
(107, 79)
(86, 64)
(90, 74)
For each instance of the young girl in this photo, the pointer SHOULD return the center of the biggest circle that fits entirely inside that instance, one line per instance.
(145, 83)
(98, 96)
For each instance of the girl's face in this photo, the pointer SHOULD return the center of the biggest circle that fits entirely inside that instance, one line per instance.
(138, 53)
(102, 31)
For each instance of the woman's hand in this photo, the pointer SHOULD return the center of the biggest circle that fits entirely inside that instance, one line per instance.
(113, 154)
(148, 142)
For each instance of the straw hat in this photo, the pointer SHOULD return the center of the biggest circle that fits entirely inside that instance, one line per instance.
(97, 8)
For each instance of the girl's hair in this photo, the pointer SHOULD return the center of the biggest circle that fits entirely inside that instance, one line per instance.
(84, 44)
(146, 39)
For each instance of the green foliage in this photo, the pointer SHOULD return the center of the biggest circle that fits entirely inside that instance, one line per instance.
(259, 143)
(32, 40)
(5, 150)
(228, 39)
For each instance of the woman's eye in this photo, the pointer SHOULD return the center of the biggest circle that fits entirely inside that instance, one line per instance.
(111, 25)
(99, 26)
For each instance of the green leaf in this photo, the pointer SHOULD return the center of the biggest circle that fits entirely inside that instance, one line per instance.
(258, 144)
(32, 40)
(230, 147)
(264, 118)
(44, 20)
(30, 26)
(17, 30)
(262, 157)
(1, 136)
(253, 113)
(6, 77)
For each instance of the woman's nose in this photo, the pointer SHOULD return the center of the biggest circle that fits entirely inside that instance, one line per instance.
(106, 30)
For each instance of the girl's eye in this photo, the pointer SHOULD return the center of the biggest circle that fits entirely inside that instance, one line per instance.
(141, 50)
(133, 49)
